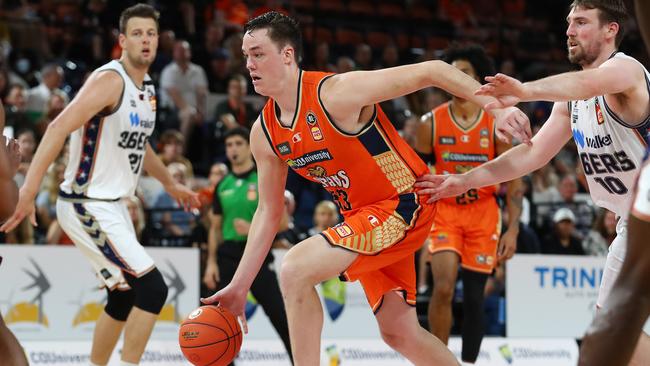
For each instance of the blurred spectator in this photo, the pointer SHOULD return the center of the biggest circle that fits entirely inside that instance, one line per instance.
(564, 195)
(562, 240)
(54, 106)
(289, 233)
(389, 57)
(56, 235)
(27, 145)
(326, 215)
(165, 53)
(344, 64)
(16, 108)
(601, 235)
(219, 71)
(235, 13)
(410, 130)
(212, 40)
(170, 215)
(184, 88)
(217, 172)
(171, 146)
(237, 64)
(235, 112)
(39, 96)
(321, 59)
(363, 57)
(136, 212)
(459, 12)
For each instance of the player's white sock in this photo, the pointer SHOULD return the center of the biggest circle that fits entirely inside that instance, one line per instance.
(124, 363)
(467, 364)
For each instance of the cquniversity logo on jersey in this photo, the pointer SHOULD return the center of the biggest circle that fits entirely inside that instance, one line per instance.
(579, 137)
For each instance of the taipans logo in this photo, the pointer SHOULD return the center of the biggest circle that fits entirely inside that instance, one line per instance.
(317, 171)
(506, 353)
(32, 311)
(333, 355)
(169, 312)
(310, 158)
(595, 142)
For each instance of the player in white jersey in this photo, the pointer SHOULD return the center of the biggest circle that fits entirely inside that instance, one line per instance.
(608, 115)
(616, 328)
(110, 121)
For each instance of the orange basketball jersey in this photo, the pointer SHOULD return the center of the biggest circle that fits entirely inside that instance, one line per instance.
(457, 149)
(357, 169)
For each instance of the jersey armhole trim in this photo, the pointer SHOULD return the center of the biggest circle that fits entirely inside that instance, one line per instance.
(119, 102)
(331, 120)
(268, 136)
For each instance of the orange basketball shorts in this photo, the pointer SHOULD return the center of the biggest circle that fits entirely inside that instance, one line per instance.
(386, 235)
(471, 230)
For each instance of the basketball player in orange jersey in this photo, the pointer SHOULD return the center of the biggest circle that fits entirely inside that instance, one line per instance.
(456, 137)
(11, 351)
(330, 129)
(615, 330)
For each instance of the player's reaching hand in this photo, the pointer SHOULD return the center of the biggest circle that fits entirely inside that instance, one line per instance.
(441, 186)
(185, 197)
(232, 298)
(510, 123)
(24, 208)
(507, 91)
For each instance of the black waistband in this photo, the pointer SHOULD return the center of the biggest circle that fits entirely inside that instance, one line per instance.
(82, 197)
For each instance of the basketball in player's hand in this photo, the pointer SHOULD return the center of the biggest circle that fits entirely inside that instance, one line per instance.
(210, 335)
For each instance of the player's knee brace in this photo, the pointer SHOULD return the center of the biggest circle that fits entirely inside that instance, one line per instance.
(119, 304)
(150, 291)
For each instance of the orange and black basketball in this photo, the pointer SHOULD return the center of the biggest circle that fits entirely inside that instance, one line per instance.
(210, 335)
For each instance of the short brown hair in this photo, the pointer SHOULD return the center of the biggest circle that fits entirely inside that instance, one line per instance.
(610, 11)
(282, 30)
(138, 11)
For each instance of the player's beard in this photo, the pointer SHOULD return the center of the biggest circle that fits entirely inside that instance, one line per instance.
(582, 56)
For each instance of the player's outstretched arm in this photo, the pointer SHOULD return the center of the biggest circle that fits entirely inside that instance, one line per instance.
(614, 76)
(272, 177)
(101, 92)
(344, 95)
(513, 164)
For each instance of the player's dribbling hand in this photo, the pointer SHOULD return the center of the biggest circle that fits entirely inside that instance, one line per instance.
(24, 208)
(441, 186)
(185, 197)
(233, 299)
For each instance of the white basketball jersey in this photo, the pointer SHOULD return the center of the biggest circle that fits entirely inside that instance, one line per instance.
(107, 153)
(611, 150)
